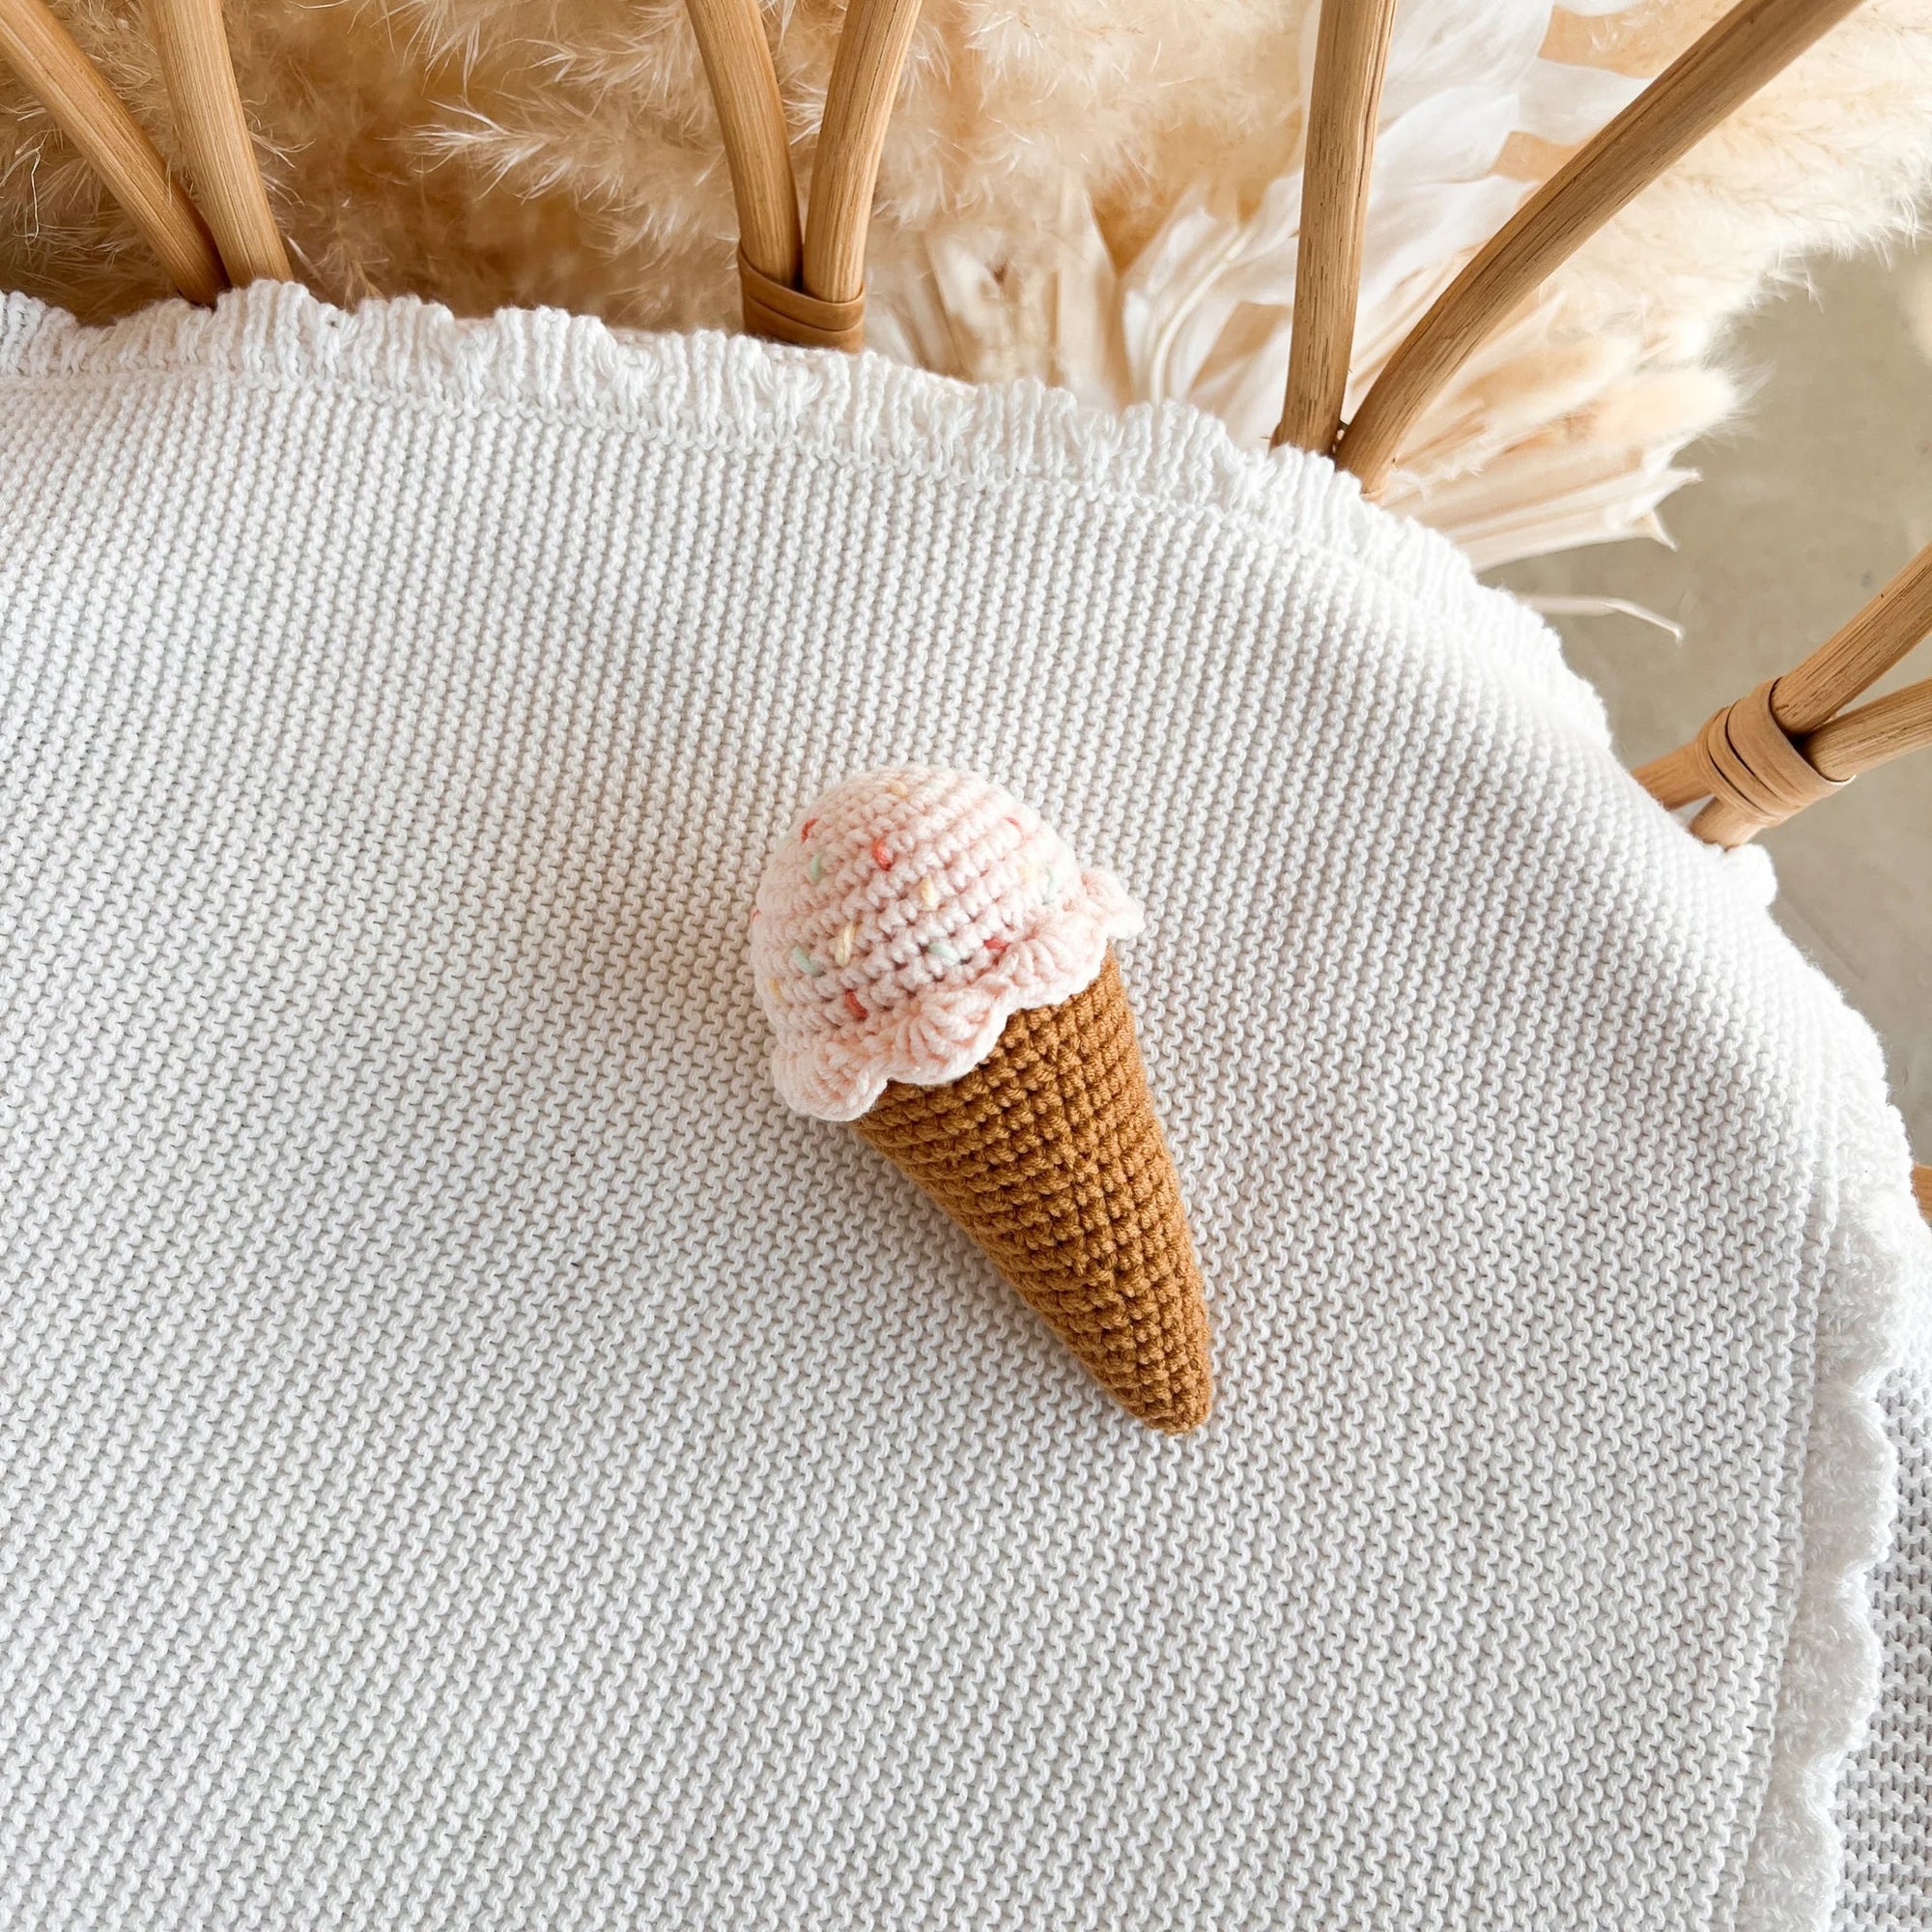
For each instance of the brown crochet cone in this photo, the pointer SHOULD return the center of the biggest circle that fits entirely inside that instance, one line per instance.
(1049, 1156)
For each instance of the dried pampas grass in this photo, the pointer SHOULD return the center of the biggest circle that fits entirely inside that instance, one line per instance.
(1103, 193)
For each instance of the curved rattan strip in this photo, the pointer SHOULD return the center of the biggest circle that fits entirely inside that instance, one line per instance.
(757, 144)
(1740, 806)
(88, 112)
(1697, 92)
(783, 314)
(1759, 778)
(1774, 755)
(1858, 652)
(859, 102)
(192, 42)
(1734, 782)
(1875, 733)
(1351, 57)
(811, 291)
(1761, 745)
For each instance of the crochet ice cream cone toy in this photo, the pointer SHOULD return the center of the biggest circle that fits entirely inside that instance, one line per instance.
(938, 969)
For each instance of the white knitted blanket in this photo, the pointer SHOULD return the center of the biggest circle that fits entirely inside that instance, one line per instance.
(470, 1457)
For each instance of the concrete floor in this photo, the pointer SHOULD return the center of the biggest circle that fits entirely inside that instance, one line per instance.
(1806, 505)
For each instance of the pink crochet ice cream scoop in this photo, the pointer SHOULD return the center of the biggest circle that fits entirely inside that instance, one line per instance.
(937, 968)
(909, 916)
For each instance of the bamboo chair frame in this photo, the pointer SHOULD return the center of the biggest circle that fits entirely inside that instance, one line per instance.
(89, 113)
(1788, 743)
(805, 285)
(199, 75)
(200, 79)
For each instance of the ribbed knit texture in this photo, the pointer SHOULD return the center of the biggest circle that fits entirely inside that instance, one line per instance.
(471, 1456)
(1887, 1798)
(1050, 1155)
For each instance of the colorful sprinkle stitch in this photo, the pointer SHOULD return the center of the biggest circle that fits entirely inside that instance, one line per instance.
(901, 939)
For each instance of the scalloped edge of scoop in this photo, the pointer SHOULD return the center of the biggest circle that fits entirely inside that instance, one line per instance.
(948, 1030)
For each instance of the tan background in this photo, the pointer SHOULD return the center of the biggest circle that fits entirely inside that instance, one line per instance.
(1815, 496)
